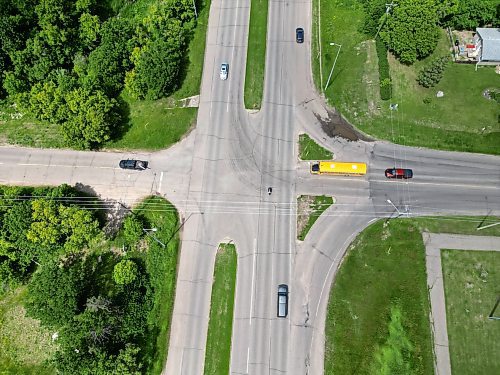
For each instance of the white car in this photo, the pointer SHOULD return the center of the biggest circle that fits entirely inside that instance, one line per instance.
(224, 70)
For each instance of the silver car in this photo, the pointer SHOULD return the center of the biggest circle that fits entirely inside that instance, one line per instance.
(224, 71)
(282, 301)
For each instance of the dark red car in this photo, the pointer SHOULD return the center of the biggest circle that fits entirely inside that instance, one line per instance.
(398, 173)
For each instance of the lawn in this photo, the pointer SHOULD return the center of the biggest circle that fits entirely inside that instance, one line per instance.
(256, 54)
(310, 209)
(461, 120)
(383, 272)
(161, 263)
(153, 125)
(310, 150)
(24, 345)
(218, 348)
(471, 281)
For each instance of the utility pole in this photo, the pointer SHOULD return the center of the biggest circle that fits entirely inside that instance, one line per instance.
(387, 9)
(334, 62)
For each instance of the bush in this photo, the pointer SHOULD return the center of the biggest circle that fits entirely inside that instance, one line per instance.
(431, 74)
(383, 70)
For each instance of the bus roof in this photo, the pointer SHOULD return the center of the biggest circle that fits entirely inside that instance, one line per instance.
(341, 167)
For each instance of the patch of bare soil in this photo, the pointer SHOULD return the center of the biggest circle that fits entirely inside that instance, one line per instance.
(304, 203)
(334, 125)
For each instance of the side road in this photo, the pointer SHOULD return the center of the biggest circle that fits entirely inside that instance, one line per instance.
(433, 245)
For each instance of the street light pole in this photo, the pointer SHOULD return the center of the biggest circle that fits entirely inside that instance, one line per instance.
(153, 230)
(334, 62)
(390, 202)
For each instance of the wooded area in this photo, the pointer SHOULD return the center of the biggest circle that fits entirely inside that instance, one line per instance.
(67, 62)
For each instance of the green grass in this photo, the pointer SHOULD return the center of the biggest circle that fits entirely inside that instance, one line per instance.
(256, 54)
(218, 349)
(471, 281)
(26, 130)
(310, 209)
(153, 125)
(384, 269)
(461, 120)
(310, 150)
(24, 345)
(162, 267)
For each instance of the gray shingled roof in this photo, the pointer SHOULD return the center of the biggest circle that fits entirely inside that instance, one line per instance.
(491, 43)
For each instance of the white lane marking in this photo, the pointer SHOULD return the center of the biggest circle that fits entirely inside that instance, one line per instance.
(159, 185)
(253, 278)
(63, 165)
(248, 358)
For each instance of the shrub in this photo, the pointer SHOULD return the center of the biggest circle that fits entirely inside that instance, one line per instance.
(383, 69)
(431, 74)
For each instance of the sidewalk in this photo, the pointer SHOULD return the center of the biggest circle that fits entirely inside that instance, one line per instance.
(433, 245)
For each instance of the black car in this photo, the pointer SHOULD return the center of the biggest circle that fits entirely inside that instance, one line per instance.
(299, 35)
(399, 173)
(282, 301)
(138, 165)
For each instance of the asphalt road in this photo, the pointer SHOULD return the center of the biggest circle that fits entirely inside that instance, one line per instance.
(218, 178)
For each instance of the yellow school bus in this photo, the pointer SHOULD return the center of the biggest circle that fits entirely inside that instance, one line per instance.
(338, 168)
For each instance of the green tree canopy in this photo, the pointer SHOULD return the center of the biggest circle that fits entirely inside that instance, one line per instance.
(125, 272)
(411, 30)
(56, 292)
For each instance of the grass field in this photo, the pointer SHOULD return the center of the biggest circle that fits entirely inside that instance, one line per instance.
(256, 54)
(218, 349)
(471, 282)
(461, 120)
(153, 125)
(162, 267)
(383, 270)
(310, 150)
(310, 209)
(24, 345)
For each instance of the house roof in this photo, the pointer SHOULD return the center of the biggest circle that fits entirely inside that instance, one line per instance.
(491, 43)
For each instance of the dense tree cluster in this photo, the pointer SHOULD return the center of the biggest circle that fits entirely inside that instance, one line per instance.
(67, 61)
(101, 304)
(410, 28)
(36, 225)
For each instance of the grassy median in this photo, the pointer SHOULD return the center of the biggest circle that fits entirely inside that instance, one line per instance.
(220, 326)
(310, 150)
(256, 54)
(310, 209)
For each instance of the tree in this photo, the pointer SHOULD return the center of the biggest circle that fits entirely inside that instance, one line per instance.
(108, 63)
(125, 272)
(78, 226)
(56, 292)
(411, 30)
(90, 119)
(132, 229)
(473, 13)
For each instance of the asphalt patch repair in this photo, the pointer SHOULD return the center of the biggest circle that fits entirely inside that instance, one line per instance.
(334, 125)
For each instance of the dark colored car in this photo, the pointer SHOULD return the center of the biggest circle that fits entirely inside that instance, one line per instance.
(299, 35)
(398, 173)
(138, 165)
(282, 301)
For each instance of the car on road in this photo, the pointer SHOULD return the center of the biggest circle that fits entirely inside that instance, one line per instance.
(282, 301)
(138, 165)
(299, 35)
(398, 173)
(224, 71)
